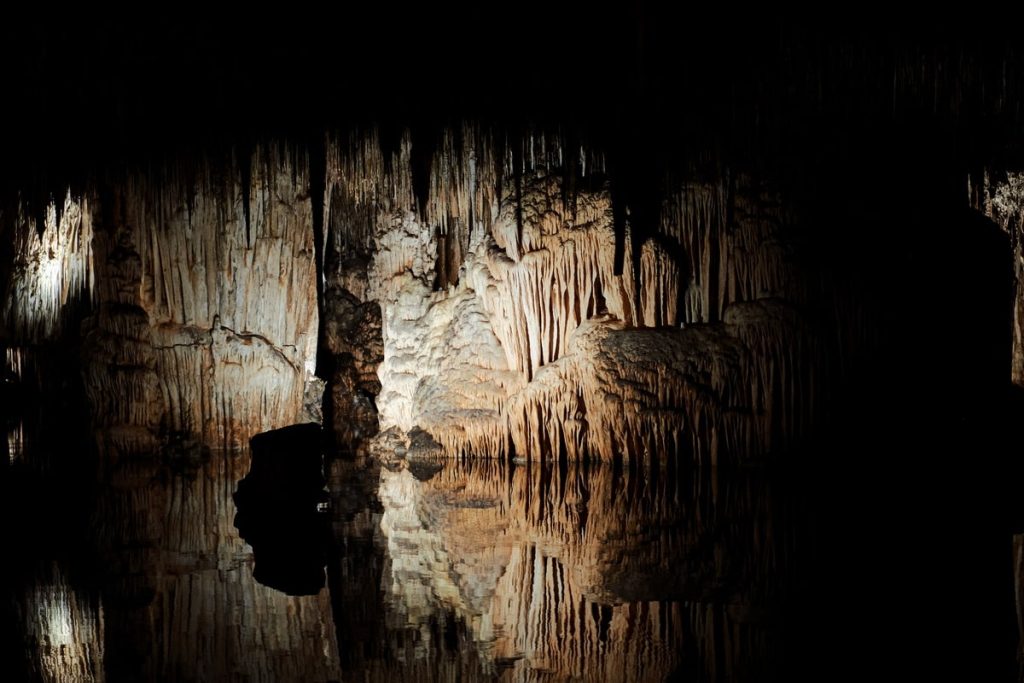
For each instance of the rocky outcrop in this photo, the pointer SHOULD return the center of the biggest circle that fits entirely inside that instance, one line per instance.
(201, 284)
(352, 339)
(463, 289)
(194, 289)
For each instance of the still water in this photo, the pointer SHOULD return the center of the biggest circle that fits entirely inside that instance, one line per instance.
(132, 569)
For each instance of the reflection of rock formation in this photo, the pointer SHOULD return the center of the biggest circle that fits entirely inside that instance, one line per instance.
(585, 571)
(63, 628)
(179, 595)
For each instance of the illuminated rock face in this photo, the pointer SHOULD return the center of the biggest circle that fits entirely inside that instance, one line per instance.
(204, 315)
(52, 270)
(505, 326)
(479, 302)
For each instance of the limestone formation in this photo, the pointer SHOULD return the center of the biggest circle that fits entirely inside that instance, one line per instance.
(200, 294)
(483, 289)
(490, 360)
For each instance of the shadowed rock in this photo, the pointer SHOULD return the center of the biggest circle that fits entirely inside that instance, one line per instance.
(279, 509)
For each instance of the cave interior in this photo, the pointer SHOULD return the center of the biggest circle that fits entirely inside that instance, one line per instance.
(615, 344)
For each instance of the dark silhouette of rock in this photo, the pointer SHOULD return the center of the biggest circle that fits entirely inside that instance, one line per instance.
(279, 509)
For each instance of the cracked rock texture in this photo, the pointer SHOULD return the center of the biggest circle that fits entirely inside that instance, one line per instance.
(201, 290)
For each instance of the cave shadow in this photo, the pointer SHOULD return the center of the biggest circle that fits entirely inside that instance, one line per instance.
(913, 567)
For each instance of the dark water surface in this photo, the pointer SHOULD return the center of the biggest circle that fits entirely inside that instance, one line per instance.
(132, 568)
(477, 570)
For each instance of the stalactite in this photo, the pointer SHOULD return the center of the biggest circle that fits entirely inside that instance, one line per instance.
(207, 323)
(178, 575)
(52, 274)
(534, 276)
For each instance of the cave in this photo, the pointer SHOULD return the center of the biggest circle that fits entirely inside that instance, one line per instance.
(524, 344)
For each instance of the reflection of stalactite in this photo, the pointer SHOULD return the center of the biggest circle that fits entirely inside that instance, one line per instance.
(178, 575)
(565, 572)
(64, 630)
(52, 271)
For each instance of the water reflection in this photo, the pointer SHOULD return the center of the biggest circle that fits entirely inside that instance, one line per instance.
(163, 587)
(63, 627)
(183, 603)
(473, 570)
(578, 572)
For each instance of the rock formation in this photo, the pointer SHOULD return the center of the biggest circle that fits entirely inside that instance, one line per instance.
(491, 294)
(496, 287)
(200, 292)
(1003, 202)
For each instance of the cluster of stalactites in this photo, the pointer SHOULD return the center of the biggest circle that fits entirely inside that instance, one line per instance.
(454, 182)
(52, 271)
(207, 312)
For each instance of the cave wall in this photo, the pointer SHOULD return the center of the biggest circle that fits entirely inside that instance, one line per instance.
(490, 294)
(190, 293)
(509, 323)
